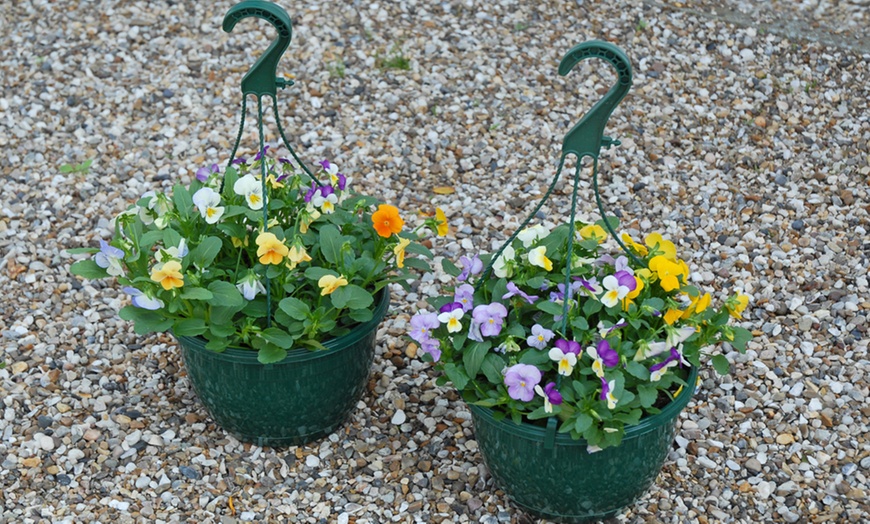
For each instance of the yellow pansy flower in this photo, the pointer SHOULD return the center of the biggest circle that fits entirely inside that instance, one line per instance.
(399, 251)
(168, 275)
(329, 283)
(441, 219)
(593, 231)
(271, 250)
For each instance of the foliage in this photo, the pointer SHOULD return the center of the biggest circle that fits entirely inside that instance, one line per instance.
(199, 261)
(599, 343)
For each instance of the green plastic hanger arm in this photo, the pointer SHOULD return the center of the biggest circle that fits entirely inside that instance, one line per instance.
(587, 136)
(262, 78)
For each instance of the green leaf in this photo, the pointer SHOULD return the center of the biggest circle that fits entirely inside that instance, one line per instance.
(721, 364)
(534, 357)
(450, 268)
(270, 353)
(638, 370)
(361, 315)
(225, 294)
(741, 337)
(330, 243)
(230, 177)
(295, 308)
(580, 324)
(189, 327)
(492, 365)
(217, 344)
(613, 221)
(419, 249)
(145, 321)
(418, 263)
(196, 293)
(221, 330)
(456, 375)
(550, 307)
(204, 254)
(316, 273)
(82, 250)
(535, 282)
(539, 413)
(150, 238)
(182, 200)
(591, 306)
(351, 296)
(584, 421)
(473, 357)
(88, 269)
(277, 336)
(647, 394)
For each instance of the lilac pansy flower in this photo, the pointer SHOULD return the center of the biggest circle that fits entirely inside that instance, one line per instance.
(432, 347)
(540, 337)
(205, 172)
(621, 264)
(261, 154)
(421, 326)
(464, 295)
(142, 300)
(470, 266)
(521, 380)
(626, 279)
(490, 318)
(109, 258)
(513, 290)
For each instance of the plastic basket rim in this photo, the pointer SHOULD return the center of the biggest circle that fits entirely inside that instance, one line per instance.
(333, 345)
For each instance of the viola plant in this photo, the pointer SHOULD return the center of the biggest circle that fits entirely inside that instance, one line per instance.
(598, 343)
(269, 265)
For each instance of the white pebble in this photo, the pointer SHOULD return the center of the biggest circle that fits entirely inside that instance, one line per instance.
(398, 417)
(312, 461)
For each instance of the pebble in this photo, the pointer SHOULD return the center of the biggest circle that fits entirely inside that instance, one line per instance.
(398, 417)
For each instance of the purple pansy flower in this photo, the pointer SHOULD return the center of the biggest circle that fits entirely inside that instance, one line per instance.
(568, 346)
(470, 266)
(590, 284)
(109, 258)
(607, 392)
(283, 160)
(310, 193)
(624, 278)
(464, 295)
(521, 380)
(240, 160)
(490, 318)
(514, 290)
(450, 307)
(656, 371)
(608, 355)
(551, 396)
(262, 153)
(540, 337)
(421, 326)
(141, 300)
(204, 173)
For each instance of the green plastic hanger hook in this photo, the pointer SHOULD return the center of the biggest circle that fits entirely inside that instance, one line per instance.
(587, 136)
(262, 78)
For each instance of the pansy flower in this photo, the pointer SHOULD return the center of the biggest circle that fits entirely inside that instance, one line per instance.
(470, 266)
(386, 221)
(142, 300)
(250, 286)
(168, 275)
(251, 189)
(297, 255)
(532, 234)
(205, 172)
(451, 314)
(337, 179)
(736, 305)
(540, 337)
(503, 266)
(565, 353)
(602, 355)
(326, 199)
(431, 346)
(399, 251)
(538, 257)
(593, 232)
(422, 325)
(607, 392)
(464, 294)
(329, 283)
(513, 290)
(270, 250)
(521, 380)
(441, 220)
(110, 259)
(551, 395)
(490, 318)
(614, 291)
(207, 201)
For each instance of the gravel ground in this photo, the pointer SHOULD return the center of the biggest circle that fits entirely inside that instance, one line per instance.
(750, 150)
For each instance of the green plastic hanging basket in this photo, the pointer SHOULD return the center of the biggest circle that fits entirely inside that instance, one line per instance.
(566, 483)
(304, 397)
